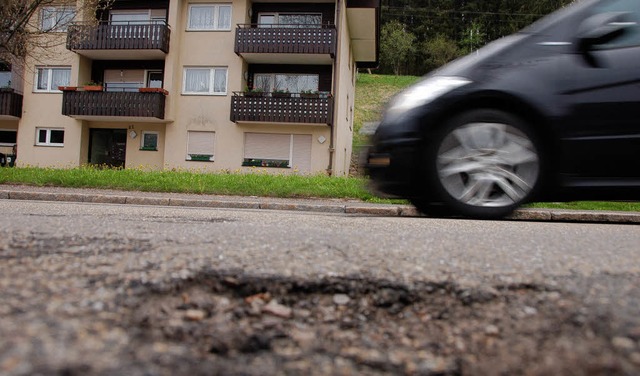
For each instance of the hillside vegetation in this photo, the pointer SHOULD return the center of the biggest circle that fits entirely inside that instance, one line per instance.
(373, 91)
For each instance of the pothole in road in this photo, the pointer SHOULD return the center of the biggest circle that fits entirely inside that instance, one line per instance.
(225, 323)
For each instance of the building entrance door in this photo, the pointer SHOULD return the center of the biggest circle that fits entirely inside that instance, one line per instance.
(108, 147)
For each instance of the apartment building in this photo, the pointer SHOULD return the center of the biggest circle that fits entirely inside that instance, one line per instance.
(196, 84)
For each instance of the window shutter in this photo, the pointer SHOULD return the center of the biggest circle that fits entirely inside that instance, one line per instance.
(267, 146)
(301, 153)
(157, 14)
(200, 143)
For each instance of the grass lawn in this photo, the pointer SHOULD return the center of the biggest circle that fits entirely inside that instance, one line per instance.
(258, 183)
(373, 91)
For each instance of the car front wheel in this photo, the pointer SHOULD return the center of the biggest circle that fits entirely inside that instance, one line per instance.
(484, 164)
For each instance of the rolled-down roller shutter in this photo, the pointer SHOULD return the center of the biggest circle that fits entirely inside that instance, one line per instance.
(301, 154)
(295, 149)
(267, 146)
(200, 143)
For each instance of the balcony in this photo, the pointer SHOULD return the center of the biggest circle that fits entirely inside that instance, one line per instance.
(10, 105)
(114, 106)
(120, 41)
(267, 108)
(286, 44)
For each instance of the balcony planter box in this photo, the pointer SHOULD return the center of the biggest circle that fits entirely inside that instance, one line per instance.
(153, 90)
(67, 88)
(310, 95)
(6, 90)
(93, 88)
(253, 94)
(280, 95)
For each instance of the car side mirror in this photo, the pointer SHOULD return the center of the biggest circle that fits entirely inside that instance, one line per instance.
(601, 29)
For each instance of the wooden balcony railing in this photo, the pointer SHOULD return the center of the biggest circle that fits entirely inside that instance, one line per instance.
(292, 109)
(10, 103)
(103, 103)
(153, 35)
(274, 39)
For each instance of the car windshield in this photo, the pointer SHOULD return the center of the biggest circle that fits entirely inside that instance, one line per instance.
(558, 16)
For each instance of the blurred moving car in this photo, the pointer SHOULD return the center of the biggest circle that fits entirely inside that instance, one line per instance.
(549, 113)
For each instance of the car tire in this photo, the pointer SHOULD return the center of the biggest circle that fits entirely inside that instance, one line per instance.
(483, 164)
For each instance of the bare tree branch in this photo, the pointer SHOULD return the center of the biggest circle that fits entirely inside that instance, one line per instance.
(21, 23)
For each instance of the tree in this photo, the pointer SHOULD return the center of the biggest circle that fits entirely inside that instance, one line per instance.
(24, 24)
(473, 37)
(396, 45)
(438, 51)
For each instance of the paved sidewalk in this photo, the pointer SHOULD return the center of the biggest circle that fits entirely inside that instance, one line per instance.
(23, 192)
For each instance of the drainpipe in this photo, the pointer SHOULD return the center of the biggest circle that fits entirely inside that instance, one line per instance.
(332, 148)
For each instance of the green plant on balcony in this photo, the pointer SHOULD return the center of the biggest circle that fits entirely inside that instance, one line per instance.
(92, 86)
(309, 94)
(255, 92)
(280, 93)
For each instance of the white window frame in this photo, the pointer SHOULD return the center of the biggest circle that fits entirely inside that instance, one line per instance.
(48, 142)
(213, 147)
(216, 17)
(9, 130)
(212, 73)
(60, 24)
(143, 147)
(49, 89)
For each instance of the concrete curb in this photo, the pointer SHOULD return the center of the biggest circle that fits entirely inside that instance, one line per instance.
(548, 215)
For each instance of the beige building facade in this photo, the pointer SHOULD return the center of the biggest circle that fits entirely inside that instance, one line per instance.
(195, 84)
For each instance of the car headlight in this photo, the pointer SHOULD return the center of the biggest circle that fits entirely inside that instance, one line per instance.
(424, 92)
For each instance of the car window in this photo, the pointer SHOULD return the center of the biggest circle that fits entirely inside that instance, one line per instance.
(631, 38)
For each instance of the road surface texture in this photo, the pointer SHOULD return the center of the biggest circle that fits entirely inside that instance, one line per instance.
(97, 289)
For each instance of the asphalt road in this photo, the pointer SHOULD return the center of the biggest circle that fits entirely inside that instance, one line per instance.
(87, 289)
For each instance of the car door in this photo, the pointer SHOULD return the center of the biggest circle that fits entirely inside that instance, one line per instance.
(601, 137)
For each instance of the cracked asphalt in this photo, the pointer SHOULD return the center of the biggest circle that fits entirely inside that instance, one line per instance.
(113, 289)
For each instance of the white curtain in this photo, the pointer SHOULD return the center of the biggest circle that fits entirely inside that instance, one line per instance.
(300, 20)
(60, 77)
(224, 17)
(220, 81)
(296, 83)
(197, 80)
(43, 79)
(201, 17)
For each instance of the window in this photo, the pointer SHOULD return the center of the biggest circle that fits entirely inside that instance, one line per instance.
(291, 20)
(209, 17)
(278, 150)
(205, 81)
(155, 79)
(48, 79)
(293, 83)
(56, 18)
(631, 36)
(8, 137)
(5, 75)
(200, 146)
(149, 141)
(49, 137)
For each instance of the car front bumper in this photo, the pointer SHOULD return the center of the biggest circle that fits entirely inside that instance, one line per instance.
(391, 166)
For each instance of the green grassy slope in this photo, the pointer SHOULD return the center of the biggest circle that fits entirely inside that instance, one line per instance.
(373, 91)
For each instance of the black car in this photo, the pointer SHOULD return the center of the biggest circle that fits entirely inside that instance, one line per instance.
(549, 113)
